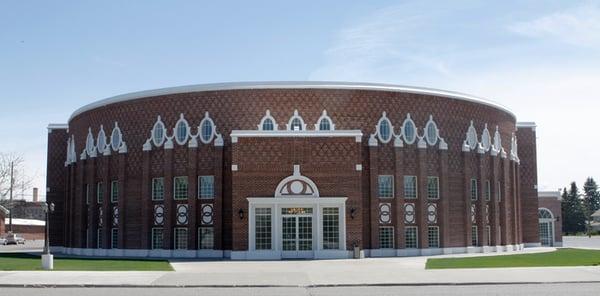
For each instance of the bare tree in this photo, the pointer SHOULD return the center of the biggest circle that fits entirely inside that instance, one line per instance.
(20, 179)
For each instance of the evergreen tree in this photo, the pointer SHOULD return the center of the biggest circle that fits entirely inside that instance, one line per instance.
(591, 201)
(572, 211)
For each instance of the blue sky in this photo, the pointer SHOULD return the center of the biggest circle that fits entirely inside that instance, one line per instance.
(539, 58)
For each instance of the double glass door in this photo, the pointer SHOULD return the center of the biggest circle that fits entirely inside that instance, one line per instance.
(297, 232)
(546, 233)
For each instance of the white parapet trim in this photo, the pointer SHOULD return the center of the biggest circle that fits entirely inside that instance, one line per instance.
(235, 134)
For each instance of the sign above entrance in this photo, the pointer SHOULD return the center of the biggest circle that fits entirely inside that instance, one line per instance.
(296, 185)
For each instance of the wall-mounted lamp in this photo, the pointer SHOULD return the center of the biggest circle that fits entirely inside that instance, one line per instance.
(352, 211)
(241, 213)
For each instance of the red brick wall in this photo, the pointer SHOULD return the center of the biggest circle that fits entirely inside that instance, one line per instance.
(528, 184)
(264, 162)
(29, 232)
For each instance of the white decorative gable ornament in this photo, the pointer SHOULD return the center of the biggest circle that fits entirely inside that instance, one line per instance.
(296, 185)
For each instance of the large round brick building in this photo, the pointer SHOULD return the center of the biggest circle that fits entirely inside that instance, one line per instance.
(291, 170)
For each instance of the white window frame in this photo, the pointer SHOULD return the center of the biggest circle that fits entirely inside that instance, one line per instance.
(200, 187)
(296, 116)
(176, 236)
(474, 191)
(99, 192)
(213, 129)
(415, 186)
(416, 229)
(324, 116)
(431, 125)
(175, 197)
(270, 215)
(116, 135)
(114, 185)
(393, 242)
(152, 238)
(390, 127)
(114, 243)
(379, 184)
(154, 195)
(437, 229)
(407, 121)
(337, 215)
(183, 121)
(437, 187)
(488, 190)
(158, 125)
(267, 116)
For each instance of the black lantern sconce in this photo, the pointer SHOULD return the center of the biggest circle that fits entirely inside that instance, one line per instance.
(241, 213)
(352, 211)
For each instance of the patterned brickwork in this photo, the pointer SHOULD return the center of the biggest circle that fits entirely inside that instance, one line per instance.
(263, 162)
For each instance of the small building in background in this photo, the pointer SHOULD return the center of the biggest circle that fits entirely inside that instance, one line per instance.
(3, 215)
(549, 215)
(30, 229)
(596, 221)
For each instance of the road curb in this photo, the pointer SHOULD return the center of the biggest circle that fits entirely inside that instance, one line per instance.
(289, 286)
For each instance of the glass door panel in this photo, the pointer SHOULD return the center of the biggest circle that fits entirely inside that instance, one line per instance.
(289, 230)
(304, 233)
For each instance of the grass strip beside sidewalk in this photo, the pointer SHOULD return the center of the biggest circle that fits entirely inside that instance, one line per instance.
(20, 261)
(560, 257)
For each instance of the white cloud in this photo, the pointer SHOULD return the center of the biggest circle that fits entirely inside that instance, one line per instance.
(579, 26)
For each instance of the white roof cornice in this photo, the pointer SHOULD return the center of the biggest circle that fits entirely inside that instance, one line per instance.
(290, 85)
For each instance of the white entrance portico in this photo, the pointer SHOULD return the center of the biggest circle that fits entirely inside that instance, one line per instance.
(297, 222)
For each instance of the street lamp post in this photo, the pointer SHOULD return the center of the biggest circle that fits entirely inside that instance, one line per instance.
(47, 258)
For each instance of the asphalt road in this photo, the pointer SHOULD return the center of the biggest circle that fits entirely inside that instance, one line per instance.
(478, 290)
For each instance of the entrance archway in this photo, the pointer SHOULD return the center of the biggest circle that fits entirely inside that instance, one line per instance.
(546, 227)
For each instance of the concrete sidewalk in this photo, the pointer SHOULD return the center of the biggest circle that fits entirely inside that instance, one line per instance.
(312, 273)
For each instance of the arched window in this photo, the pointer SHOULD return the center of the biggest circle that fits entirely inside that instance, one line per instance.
(182, 129)
(296, 123)
(409, 130)
(207, 129)
(267, 124)
(544, 214)
(497, 140)
(486, 139)
(324, 123)
(158, 132)
(89, 143)
(472, 136)
(116, 137)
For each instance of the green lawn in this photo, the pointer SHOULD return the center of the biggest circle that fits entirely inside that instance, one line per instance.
(560, 257)
(20, 261)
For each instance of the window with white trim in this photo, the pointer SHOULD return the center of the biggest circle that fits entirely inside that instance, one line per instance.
(99, 192)
(474, 236)
(268, 125)
(158, 132)
(262, 228)
(385, 186)
(158, 188)
(410, 187)
(180, 187)
(206, 129)
(488, 190)
(206, 238)
(411, 237)
(206, 187)
(384, 130)
(324, 124)
(296, 124)
(180, 239)
(433, 187)
(114, 191)
(474, 194)
(157, 238)
(409, 130)
(99, 238)
(114, 238)
(181, 131)
(331, 228)
(433, 236)
(386, 237)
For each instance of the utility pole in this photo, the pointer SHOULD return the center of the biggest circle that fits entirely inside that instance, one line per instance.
(10, 204)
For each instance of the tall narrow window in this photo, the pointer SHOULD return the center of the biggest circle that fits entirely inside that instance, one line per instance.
(433, 187)
(158, 188)
(386, 186)
(474, 189)
(386, 237)
(433, 236)
(384, 130)
(114, 238)
(488, 190)
(410, 187)
(99, 192)
(206, 238)
(181, 238)
(181, 132)
(262, 220)
(99, 236)
(207, 130)
(331, 229)
(157, 238)
(180, 187)
(114, 191)
(411, 237)
(207, 187)
(474, 236)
